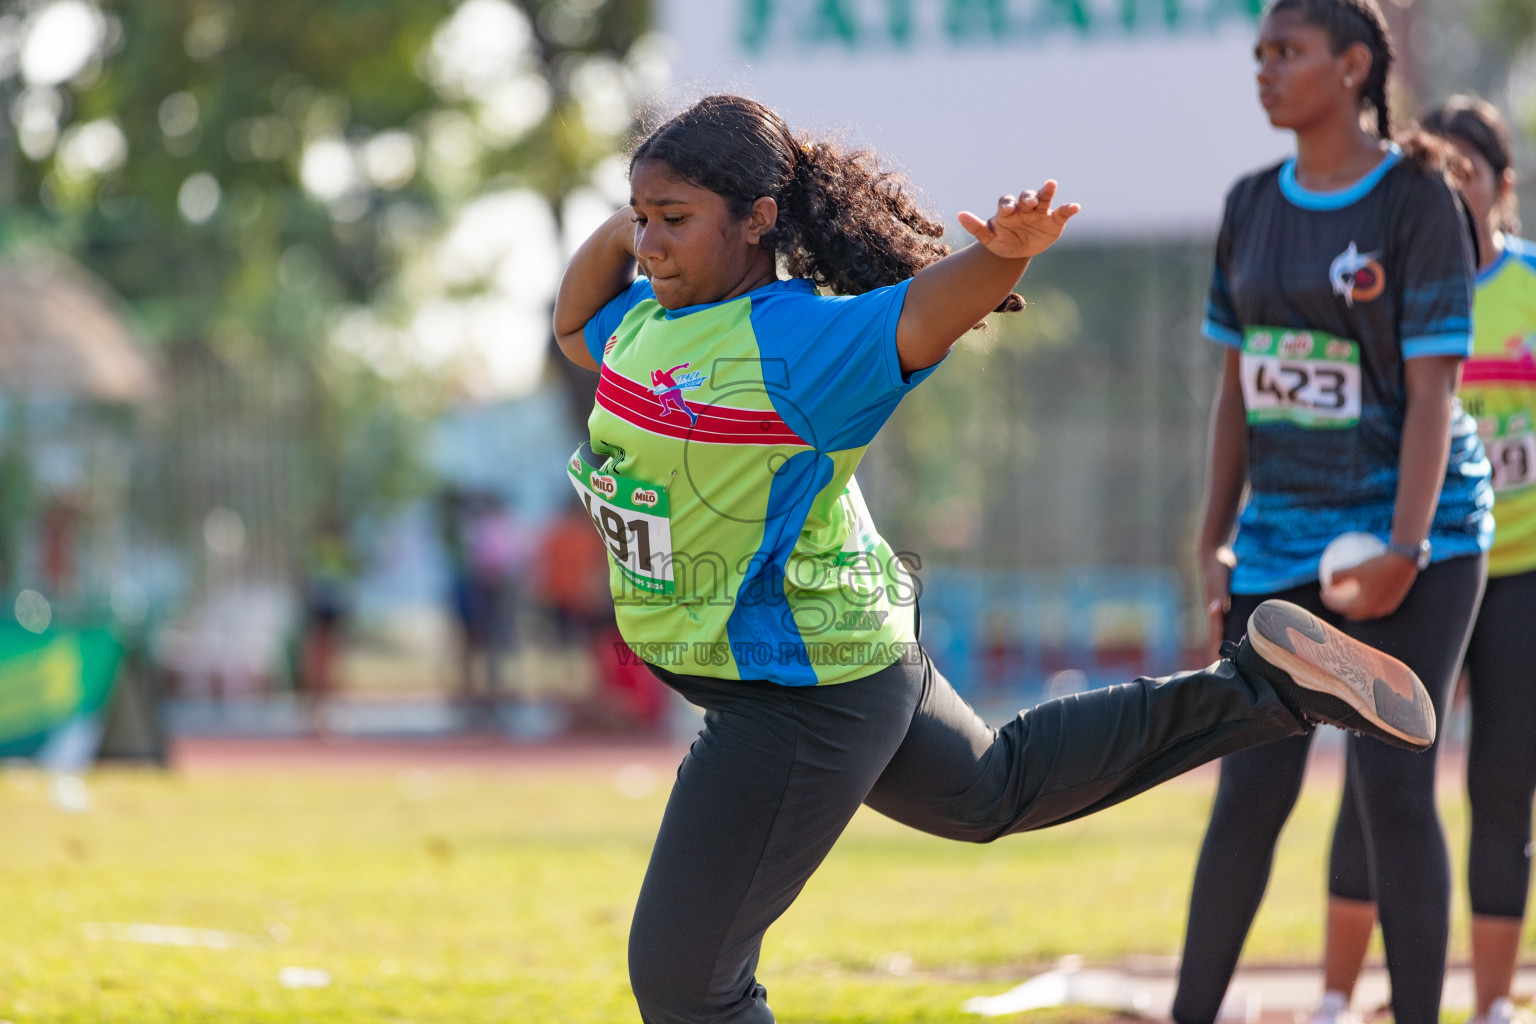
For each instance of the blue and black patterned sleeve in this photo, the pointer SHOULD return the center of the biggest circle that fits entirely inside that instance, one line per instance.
(1221, 323)
(1434, 257)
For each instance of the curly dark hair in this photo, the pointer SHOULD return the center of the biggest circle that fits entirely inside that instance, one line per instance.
(1361, 21)
(843, 222)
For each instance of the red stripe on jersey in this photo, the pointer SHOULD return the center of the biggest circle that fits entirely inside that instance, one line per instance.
(637, 404)
(1478, 370)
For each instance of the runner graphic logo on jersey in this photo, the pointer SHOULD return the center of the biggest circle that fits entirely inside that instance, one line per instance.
(1356, 277)
(669, 389)
(1521, 347)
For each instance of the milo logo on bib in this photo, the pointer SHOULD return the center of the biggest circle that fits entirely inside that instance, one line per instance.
(1296, 344)
(1305, 378)
(631, 516)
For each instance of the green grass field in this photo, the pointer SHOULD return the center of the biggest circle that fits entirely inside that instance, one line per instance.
(471, 896)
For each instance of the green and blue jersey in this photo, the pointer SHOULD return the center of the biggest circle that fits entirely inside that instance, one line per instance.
(719, 471)
(1498, 388)
(1327, 295)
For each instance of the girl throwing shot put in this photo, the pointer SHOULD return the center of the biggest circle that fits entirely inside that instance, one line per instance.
(747, 571)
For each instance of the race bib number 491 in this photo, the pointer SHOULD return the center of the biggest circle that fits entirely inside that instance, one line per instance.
(632, 518)
(1306, 378)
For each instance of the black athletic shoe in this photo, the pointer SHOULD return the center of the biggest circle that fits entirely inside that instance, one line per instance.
(1325, 676)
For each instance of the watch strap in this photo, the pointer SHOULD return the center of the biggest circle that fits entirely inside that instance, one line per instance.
(1418, 553)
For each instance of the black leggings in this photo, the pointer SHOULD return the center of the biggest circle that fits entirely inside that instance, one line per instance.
(1501, 760)
(777, 772)
(1395, 789)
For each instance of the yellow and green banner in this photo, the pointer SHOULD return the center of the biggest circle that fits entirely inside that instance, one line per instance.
(50, 678)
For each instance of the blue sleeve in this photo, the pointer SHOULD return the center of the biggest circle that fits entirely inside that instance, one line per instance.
(1221, 323)
(1434, 257)
(844, 375)
(602, 326)
(1521, 249)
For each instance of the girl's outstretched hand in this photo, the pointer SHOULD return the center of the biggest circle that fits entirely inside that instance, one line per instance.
(1022, 227)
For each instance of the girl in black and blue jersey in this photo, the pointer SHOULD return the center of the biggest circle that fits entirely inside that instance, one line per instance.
(1342, 293)
(1499, 390)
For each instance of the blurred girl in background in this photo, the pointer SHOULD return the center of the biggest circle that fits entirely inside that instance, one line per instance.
(1498, 388)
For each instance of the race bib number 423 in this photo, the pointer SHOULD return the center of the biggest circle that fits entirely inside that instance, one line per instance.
(632, 518)
(1306, 378)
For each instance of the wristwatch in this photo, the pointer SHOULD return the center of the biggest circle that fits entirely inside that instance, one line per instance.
(1418, 553)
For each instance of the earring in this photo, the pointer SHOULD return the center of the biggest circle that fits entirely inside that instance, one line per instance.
(1349, 82)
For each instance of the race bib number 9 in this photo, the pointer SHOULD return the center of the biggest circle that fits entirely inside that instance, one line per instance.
(1511, 444)
(1306, 378)
(631, 517)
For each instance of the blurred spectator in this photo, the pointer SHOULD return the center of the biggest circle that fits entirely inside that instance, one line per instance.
(60, 534)
(486, 547)
(631, 697)
(572, 575)
(330, 570)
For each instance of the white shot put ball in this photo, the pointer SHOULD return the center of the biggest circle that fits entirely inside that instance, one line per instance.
(1346, 551)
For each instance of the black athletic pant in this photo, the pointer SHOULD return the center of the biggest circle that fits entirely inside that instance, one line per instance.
(1501, 760)
(777, 772)
(1395, 790)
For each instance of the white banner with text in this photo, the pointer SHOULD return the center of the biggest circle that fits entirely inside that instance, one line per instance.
(1144, 110)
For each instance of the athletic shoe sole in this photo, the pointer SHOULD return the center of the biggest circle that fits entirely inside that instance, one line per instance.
(1340, 680)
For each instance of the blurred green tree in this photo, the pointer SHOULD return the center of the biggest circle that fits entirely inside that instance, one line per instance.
(275, 188)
